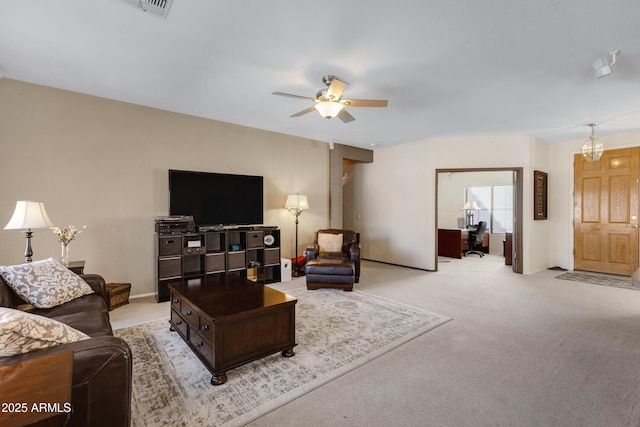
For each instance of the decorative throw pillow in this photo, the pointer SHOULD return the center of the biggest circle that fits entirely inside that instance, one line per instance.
(45, 283)
(22, 332)
(330, 242)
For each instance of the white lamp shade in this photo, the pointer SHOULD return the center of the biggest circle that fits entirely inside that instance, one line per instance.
(471, 206)
(297, 201)
(29, 215)
(329, 109)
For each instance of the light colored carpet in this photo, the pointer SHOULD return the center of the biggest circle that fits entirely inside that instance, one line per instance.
(336, 332)
(523, 350)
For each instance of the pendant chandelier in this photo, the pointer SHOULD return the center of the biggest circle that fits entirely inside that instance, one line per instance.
(592, 148)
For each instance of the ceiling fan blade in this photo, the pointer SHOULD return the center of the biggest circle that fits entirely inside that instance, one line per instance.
(336, 88)
(303, 112)
(345, 117)
(365, 102)
(293, 96)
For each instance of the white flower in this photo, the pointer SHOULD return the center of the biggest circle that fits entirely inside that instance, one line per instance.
(65, 235)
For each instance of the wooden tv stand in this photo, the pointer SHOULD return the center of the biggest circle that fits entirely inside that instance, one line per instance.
(253, 252)
(228, 321)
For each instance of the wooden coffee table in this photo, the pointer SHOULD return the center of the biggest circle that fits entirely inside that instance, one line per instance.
(228, 321)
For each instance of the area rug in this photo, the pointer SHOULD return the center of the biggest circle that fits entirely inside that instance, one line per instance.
(598, 279)
(336, 332)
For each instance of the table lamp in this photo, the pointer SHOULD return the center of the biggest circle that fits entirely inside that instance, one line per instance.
(468, 207)
(296, 203)
(27, 216)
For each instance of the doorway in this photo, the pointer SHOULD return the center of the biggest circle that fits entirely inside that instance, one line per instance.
(516, 180)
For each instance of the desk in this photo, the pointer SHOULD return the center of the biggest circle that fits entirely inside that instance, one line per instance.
(451, 242)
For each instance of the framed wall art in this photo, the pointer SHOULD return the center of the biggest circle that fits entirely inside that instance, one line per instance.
(539, 195)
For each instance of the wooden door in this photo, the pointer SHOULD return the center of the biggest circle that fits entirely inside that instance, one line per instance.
(606, 212)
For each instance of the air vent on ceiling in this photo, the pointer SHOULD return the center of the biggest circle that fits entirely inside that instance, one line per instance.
(157, 7)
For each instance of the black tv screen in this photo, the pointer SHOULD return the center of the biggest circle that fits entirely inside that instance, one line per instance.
(215, 198)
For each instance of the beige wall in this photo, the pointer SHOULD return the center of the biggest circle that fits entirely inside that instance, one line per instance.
(451, 192)
(104, 164)
(397, 219)
(342, 197)
(398, 215)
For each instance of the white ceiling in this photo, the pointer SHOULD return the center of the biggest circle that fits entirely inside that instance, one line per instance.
(448, 68)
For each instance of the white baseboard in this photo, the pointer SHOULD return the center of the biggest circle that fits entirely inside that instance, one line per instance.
(150, 294)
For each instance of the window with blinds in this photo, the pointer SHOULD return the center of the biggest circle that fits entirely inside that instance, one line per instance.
(496, 206)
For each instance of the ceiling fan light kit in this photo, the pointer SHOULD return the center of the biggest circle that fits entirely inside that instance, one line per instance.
(592, 149)
(329, 109)
(329, 102)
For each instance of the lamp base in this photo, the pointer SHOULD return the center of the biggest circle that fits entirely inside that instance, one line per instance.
(28, 253)
(297, 272)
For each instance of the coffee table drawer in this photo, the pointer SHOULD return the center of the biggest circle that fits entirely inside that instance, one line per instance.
(206, 328)
(202, 347)
(175, 302)
(178, 323)
(190, 314)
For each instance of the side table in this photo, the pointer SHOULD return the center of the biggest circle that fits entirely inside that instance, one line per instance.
(76, 266)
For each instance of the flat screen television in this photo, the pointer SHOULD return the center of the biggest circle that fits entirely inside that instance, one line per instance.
(216, 198)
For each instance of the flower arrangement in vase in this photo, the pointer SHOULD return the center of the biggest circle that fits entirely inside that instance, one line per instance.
(65, 236)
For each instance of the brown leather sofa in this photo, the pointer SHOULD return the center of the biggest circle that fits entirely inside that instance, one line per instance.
(337, 269)
(101, 379)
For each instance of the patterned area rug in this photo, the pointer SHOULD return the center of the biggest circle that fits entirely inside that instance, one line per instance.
(336, 332)
(598, 279)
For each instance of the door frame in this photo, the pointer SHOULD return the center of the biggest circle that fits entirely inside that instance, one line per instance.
(518, 214)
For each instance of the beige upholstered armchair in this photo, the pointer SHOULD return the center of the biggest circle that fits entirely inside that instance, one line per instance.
(337, 245)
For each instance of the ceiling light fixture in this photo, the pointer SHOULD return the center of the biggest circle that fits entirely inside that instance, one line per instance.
(603, 67)
(592, 148)
(329, 109)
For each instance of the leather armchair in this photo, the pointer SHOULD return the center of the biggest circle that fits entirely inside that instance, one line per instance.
(350, 249)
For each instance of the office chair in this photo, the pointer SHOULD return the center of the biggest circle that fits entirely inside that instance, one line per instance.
(475, 239)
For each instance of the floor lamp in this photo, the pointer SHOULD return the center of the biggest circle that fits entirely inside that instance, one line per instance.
(296, 203)
(26, 216)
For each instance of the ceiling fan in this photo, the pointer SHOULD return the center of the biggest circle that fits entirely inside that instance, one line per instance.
(329, 102)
